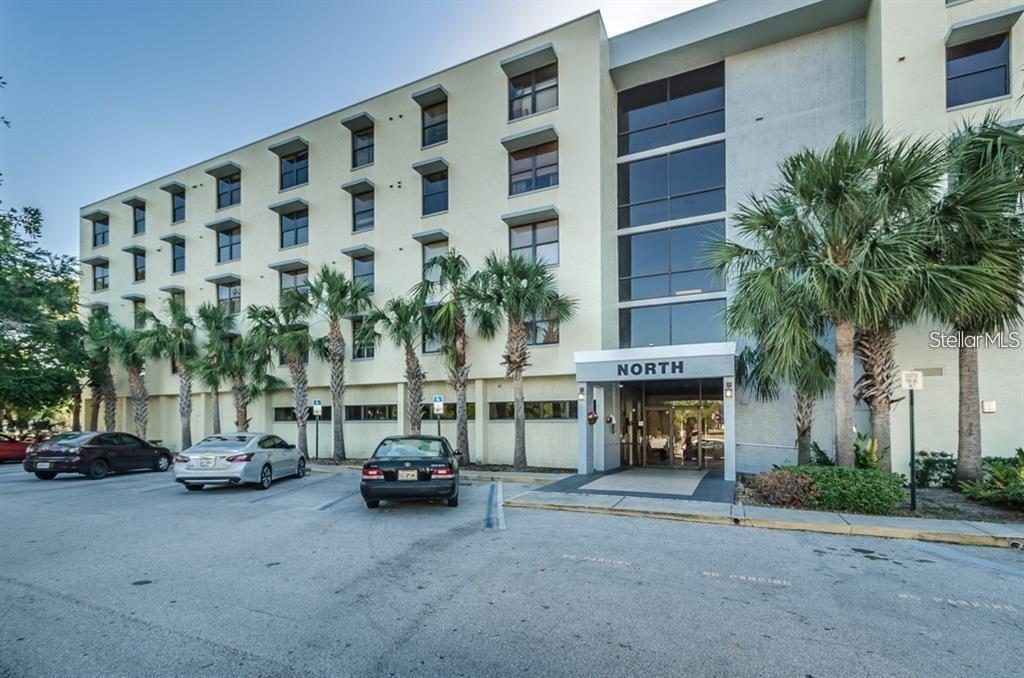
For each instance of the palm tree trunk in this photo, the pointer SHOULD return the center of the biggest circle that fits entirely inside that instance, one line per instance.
(519, 453)
(76, 407)
(109, 401)
(336, 358)
(460, 383)
(843, 445)
(881, 430)
(414, 378)
(876, 350)
(241, 406)
(215, 414)
(516, 359)
(185, 405)
(968, 447)
(139, 400)
(804, 416)
(94, 406)
(300, 388)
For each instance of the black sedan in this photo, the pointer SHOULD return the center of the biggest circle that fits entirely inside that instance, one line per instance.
(411, 467)
(94, 455)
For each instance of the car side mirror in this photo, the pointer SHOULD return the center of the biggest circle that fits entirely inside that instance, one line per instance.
(458, 453)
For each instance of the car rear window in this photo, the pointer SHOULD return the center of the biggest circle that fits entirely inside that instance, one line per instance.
(222, 441)
(409, 448)
(65, 438)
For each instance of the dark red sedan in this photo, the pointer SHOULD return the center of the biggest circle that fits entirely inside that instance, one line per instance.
(94, 455)
(12, 449)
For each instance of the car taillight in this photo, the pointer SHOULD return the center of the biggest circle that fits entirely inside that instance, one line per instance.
(241, 457)
(442, 473)
(373, 474)
(181, 459)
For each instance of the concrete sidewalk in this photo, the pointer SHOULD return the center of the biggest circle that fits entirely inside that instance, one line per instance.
(523, 477)
(923, 529)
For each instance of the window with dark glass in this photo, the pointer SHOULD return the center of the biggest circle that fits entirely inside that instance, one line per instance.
(100, 277)
(288, 413)
(229, 245)
(295, 279)
(669, 262)
(533, 168)
(431, 251)
(138, 220)
(449, 412)
(295, 228)
(540, 331)
(178, 297)
(362, 270)
(535, 242)
(435, 192)
(138, 307)
(692, 322)
(282, 360)
(361, 346)
(686, 106)
(362, 147)
(371, 412)
(535, 409)
(139, 266)
(229, 190)
(177, 257)
(177, 207)
(533, 92)
(229, 297)
(435, 123)
(978, 70)
(100, 232)
(430, 340)
(362, 211)
(674, 186)
(295, 169)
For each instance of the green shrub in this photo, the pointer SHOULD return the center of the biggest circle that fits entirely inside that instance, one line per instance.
(1002, 481)
(854, 489)
(783, 487)
(865, 452)
(934, 469)
(820, 456)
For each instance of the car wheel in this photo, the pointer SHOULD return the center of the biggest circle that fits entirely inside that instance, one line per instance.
(454, 501)
(300, 468)
(97, 469)
(193, 487)
(45, 475)
(372, 503)
(266, 477)
(163, 462)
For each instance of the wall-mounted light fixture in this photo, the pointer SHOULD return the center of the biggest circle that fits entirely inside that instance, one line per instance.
(582, 394)
(988, 406)
(728, 389)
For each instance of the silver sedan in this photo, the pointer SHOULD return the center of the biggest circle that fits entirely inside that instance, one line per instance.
(236, 458)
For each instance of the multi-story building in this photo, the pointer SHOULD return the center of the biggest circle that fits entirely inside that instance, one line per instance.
(611, 159)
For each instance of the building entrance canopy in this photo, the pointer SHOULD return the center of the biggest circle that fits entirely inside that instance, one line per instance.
(690, 361)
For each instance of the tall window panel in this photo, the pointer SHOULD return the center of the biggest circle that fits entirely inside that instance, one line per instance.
(430, 252)
(139, 266)
(533, 92)
(138, 308)
(362, 147)
(177, 257)
(362, 270)
(100, 277)
(435, 192)
(361, 348)
(295, 228)
(362, 211)
(674, 186)
(229, 245)
(541, 331)
(669, 111)
(978, 70)
(693, 322)
(669, 262)
(229, 190)
(295, 169)
(138, 220)
(533, 168)
(435, 123)
(177, 207)
(229, 297)
(535, 242)
(296, 279)
(100, 232)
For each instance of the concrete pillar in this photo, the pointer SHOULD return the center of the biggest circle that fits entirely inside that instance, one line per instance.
(479, 449)
(729, 407)
(402, 425)
(585, 461)
(600, 428)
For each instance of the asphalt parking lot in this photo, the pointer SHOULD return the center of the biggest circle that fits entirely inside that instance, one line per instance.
(132, 575)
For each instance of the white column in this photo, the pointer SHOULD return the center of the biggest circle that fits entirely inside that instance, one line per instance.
(729, 407)
(586, 431)
(479, 448)
(403, 418)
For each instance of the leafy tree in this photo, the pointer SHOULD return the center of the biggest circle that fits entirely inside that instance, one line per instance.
(176, 341)
(335, 297)
(401, 322)
(98, 330)
(516, 292)
(211, 366)
(127, 351)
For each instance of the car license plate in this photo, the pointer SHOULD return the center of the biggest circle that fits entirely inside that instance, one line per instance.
(407, 474)
(206, 462)
(43, 464)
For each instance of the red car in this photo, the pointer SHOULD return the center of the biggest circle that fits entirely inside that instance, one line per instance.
(12, 449)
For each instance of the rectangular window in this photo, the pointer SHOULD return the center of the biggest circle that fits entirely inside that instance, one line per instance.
(674, 186)
(360, 349)
(295, 169)
(669, 262)
(542, 331)
(533, 168)
(229, 297)
(430, 342)
(282, 360)
(296, 279)
(177, 257)
(978, 70)
(295, 228)
(177, 207)
(435, 192)
(138, 220)
(362, 147)
(371, 412)
(138, 306)
(178, 297)
(533, 92)
(535, 242)
(229, 245)
(139, 266)
(449, 412)
(431, 251)
(694, 322)
(229, 190)
(362, 270)
(435, 123)
(684, 107)
(288, 413)
(362, 211)
(535, 409)
(100, 232)
(100, 277)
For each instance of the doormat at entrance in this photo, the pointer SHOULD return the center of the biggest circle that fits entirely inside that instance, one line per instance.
(659, 481)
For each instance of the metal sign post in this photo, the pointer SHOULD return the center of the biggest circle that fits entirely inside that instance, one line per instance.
(318, 411)
(913, 381)
(438, 411)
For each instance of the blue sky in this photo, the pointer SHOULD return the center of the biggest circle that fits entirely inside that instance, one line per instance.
(107, 95)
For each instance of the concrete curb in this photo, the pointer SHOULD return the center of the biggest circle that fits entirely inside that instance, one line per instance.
(481, 476)
(979, 535)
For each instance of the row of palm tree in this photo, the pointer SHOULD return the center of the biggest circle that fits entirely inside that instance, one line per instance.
(213, 350)
(862, 239)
